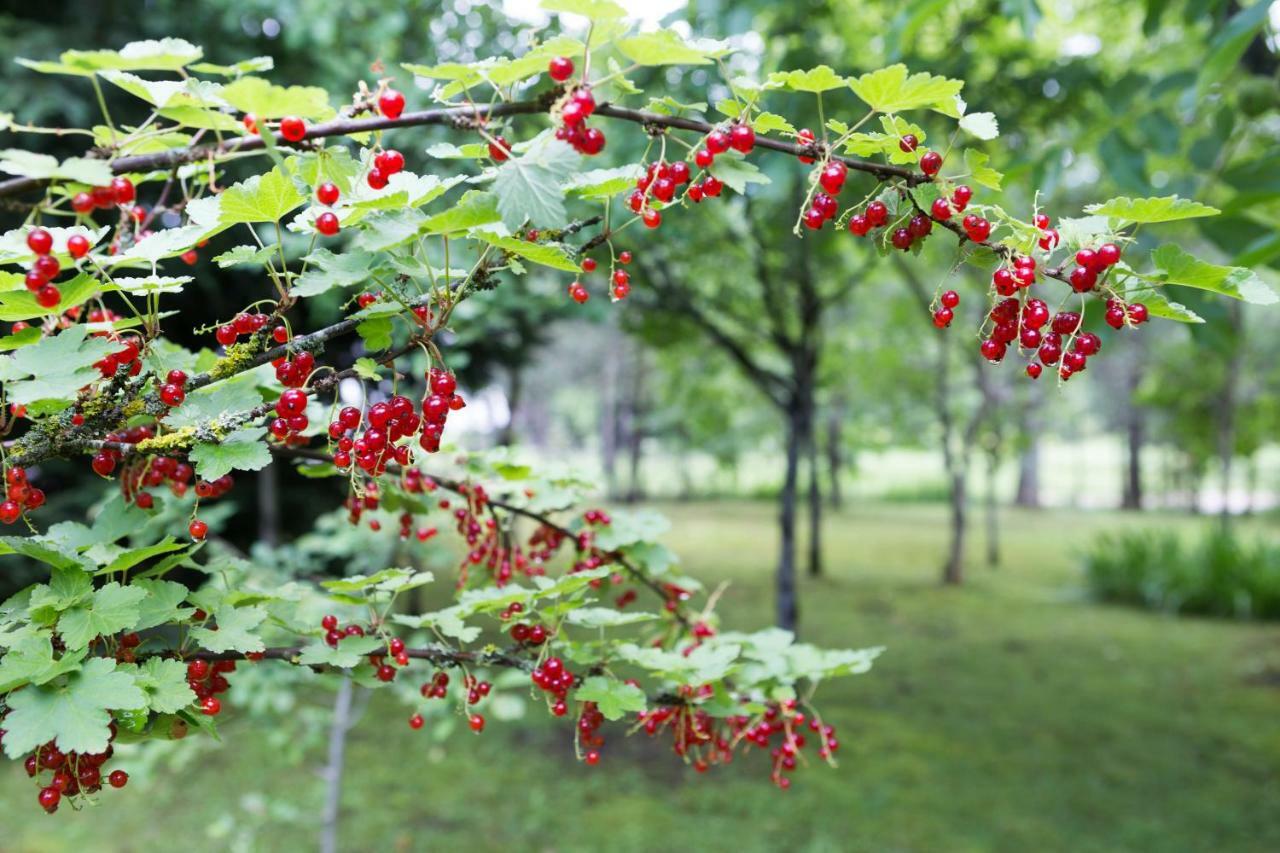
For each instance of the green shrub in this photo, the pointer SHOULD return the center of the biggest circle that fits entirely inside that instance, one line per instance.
(1217, 576)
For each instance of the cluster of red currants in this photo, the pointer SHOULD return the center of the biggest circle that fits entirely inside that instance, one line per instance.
(621, 279)
(553, 677)
(785, 724)
(244, 323)
(207, 679)
(574, 112)
(119, 192)
(589, 723)
(385, 164)
(334, 633)
(45, 267)
(142, 473)
(19, 495)
(328, 194)
(71, 773)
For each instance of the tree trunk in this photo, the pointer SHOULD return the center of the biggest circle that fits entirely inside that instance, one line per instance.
(635, 427)
(1135, 438)
(835, 451)
(815, 506)
(1028, 493)
(787, 607)
(953, 570)
(507, 435)
(609, 422)
(269, 505)
(333, 770)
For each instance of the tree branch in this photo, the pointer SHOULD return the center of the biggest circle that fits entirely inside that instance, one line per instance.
(462, 116)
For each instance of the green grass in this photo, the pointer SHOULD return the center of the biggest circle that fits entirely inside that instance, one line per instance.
(1012, 714)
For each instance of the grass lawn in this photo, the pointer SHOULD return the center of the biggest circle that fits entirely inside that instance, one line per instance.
(1011, 714)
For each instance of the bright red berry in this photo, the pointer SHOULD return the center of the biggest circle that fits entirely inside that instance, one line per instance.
(931, 163)
(293, 128)
(560, 68)
(327, 223)
(327, 193)
(391, 103)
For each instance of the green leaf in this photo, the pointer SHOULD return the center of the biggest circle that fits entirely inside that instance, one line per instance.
(497, 71)
(30, 660)
(629, 527)
(243, 450)
(614, 698)
(604, 183)
(476, 207)
(170, 94)
(529, 187)
(819, 79)
(74, 714)
(664, 47)
(55, 368)
(244, 66)
(387, 580)
(165, 684)
(113, 608)
(254, 255)
(1178, 267)
(22, 305)
(262, 198)
(1230, 43)
(16, 161)
(327, 270)
(547, 254)
(605, 617)
(596, 10)
(269, 101)
(388, 229)
(128, 559)
(1159, 305)
(167, 54)
(891, 90)
(981, 125)
(26, 337)
(376, 332)
(449, 151)
(979, 172)
(213, 402)
(771, 123)
(736, 172)
(1165, 209)
(162, 605)
(349, 653)
(367, 368)
(234, 631)
(152, 283)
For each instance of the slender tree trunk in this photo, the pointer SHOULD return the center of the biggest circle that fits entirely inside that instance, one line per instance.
(609, 422)
(993, 520)
(635, 426)
(788, 608)
(1028, 492)
(269, 505)
(1135, 438)
(953, 570)
(815, 505)
(515, 389)
(835, 451)
(333, 770)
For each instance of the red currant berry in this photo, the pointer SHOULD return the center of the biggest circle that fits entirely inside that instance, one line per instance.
(560, 68)
(391, 104)
(293, 128)
(950, 299)
(931, 163)
(908, 142)
(40, 241)
(172, 395)
(327, 223)
(327, 193)
(122, 190)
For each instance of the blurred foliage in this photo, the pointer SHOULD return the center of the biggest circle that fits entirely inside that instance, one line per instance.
(1220, 575)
